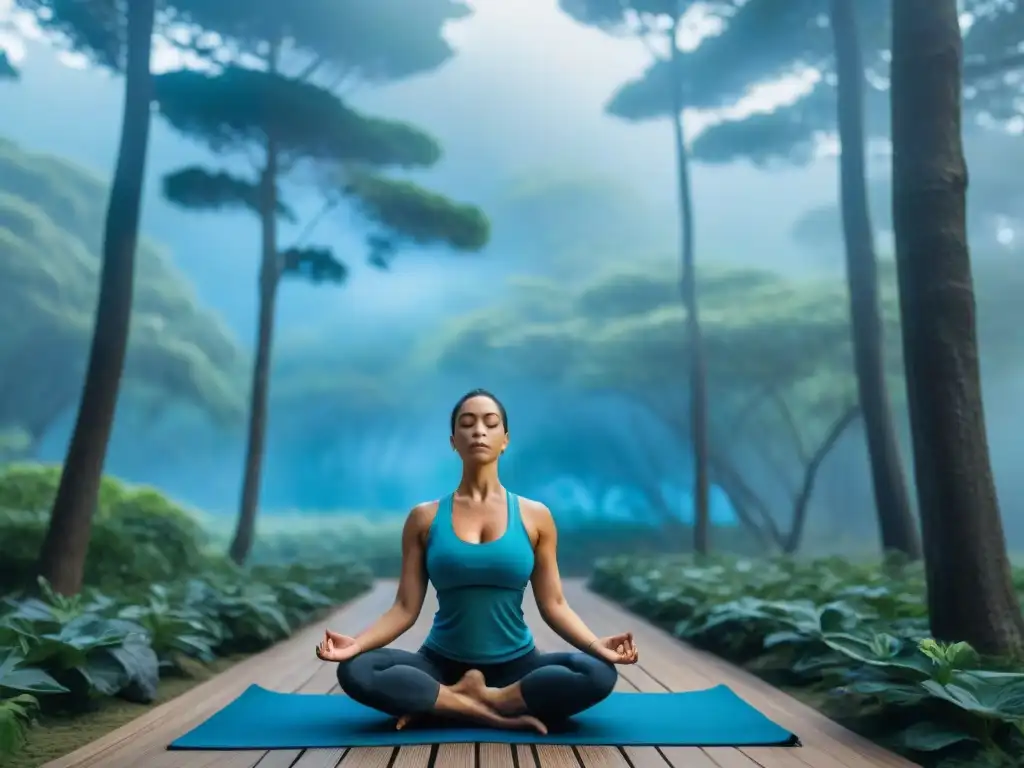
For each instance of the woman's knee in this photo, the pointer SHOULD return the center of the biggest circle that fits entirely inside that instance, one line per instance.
(601, 675)
(355, 676)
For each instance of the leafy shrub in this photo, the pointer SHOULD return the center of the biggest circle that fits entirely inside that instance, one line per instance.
(138, 534)
(33, 487)
(319, 540)
(857, 633)
(62, 654)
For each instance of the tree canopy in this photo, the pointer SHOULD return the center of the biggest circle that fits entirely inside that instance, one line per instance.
(380, 41)
(234, 109)
(51, 215)
(766, 40)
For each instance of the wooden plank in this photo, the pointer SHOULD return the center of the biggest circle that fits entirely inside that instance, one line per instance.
(525, 756)
(495, 756)
(320, 758)
(645, 757)
(681, 667)
(278, 758)
(456, 756)
(689, 757)
(602, 757)
(556, 757)
(370, 757)
(413, 757)
(727, 757)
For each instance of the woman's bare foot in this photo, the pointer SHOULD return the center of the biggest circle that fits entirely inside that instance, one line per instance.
(456, 701)
(506, 701)
(474, 685)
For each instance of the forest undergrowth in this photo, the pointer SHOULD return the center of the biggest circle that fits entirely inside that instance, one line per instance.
(161, 611)
(850, 637)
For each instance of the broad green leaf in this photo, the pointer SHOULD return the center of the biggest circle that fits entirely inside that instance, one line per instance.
(14, 675)
(931, 737)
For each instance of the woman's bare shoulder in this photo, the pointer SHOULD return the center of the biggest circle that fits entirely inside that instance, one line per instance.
(535, 512)
(422, 515)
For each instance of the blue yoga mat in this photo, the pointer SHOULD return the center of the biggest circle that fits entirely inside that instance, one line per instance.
(262, 719)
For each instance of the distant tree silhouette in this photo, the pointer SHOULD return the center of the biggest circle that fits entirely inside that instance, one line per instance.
(662, 93)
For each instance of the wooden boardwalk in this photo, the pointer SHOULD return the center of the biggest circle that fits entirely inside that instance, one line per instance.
(665, 665)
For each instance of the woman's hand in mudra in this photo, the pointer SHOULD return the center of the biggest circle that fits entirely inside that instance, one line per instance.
(616, 649)
(335, 647)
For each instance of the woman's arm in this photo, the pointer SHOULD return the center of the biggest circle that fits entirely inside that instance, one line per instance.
(547, 586)
(412, 585)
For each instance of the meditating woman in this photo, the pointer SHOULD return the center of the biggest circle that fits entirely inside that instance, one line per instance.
(479, 547)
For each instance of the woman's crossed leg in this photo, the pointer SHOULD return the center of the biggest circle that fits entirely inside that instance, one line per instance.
(408, 685)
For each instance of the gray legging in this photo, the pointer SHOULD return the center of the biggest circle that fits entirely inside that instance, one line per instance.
(555, 686)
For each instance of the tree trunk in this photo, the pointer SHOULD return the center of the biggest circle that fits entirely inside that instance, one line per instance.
(803, 499)
(270, 273)
(970, 592)
(62, 558)
(698, 394)
(895, 518)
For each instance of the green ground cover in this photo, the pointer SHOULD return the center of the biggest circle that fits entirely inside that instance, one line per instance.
(851, 638)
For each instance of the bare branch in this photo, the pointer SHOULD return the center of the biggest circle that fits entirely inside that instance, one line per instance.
(802, 503)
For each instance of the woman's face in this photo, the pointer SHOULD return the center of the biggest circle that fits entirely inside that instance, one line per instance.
(480, 436)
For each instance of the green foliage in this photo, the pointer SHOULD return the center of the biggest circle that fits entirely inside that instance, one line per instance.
(380, 41)
(853, 634)
(650, 96)
(318, 265)
(417, 215)
(198, 189)
(769, 39)
(64, 653)
(94, 28)
(156, 601)
(138, 534)
(765, 40)
(33, 487)
(236, 108)
(51, 215)
(319, 540)
(635, 16)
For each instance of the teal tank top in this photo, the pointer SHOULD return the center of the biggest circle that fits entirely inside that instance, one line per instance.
(480, 588)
